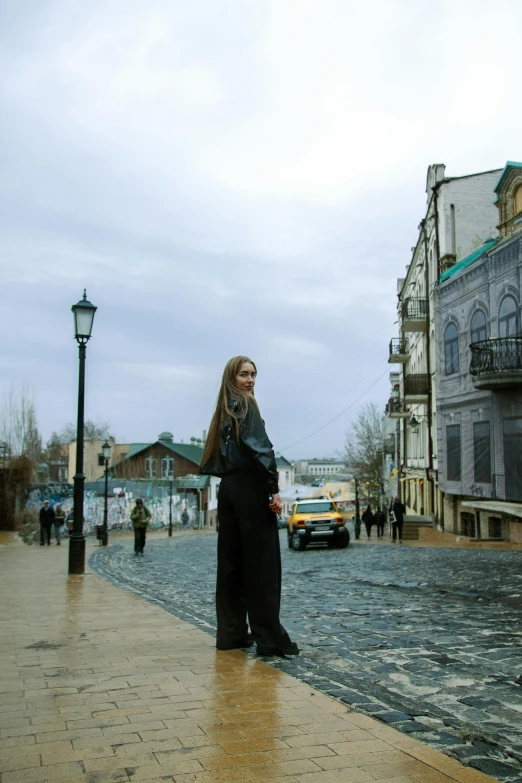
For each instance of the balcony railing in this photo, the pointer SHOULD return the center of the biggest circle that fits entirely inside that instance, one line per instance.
(414, 309)
(507, 487)
(398, 349)
(496, 362)
(396, 408)
(417, 385)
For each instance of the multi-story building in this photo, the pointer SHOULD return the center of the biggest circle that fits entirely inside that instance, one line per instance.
(93, 461)
(460, 215)
(321, 468)
(479, 367)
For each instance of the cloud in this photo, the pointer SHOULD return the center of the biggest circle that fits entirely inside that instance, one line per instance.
(229, 177)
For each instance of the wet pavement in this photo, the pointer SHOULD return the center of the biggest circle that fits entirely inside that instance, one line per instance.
(427, 640)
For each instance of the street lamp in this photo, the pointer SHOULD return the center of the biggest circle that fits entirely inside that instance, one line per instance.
(83, 313)
(106, 451)
(414, 422)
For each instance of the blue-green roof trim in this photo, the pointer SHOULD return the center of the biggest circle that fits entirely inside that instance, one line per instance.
(465, 262)
(511, 164)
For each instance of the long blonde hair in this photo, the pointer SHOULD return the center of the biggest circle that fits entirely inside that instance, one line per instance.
(223, 409)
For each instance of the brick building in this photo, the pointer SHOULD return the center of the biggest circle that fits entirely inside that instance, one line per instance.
(479, 370)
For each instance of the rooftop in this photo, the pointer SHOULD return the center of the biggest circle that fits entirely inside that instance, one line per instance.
(465, 262)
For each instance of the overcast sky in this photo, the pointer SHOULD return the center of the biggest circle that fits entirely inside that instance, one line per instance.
(231, 176)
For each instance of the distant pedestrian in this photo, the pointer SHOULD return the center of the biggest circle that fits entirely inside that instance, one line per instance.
(59, 522)
(379, 520)
(399, 510)
(46, 523)
(185, 519)
(140, 518)
(70, 521)
(368, 520)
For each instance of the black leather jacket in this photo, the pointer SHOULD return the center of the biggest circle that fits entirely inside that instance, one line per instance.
(253, 451)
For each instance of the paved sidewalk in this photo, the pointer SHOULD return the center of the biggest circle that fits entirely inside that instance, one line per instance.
(97, 685)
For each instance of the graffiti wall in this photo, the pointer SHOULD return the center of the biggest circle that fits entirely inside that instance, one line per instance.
(121, 501)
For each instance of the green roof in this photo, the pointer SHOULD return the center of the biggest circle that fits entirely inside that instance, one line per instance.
(282, 462)
(465, 262)
(511, 164)
(186, 450)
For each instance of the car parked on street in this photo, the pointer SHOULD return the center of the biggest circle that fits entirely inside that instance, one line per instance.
(316, 521)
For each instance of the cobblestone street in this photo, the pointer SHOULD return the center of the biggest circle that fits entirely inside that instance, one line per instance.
(428, 640)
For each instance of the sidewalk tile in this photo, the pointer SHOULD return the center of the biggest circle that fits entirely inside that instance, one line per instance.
(133, 693)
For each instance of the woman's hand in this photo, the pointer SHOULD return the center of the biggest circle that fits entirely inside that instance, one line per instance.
(275, 504)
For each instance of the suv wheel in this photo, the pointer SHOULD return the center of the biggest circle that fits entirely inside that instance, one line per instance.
(298, 542)
(342, 541)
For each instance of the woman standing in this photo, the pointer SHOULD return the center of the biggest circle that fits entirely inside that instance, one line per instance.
(249, 558)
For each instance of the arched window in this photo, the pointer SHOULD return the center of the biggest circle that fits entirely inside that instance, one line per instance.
(451, 349)
(508, 318)
(517, 202)
(478, 327)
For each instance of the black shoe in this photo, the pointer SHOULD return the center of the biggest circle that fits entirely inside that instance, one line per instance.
(42, 543)
(292, 649)
(243, 644)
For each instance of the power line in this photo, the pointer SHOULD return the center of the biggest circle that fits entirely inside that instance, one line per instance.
(342, 397)
(297, 442)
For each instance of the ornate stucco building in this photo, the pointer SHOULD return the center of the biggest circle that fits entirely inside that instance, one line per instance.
(478, 322)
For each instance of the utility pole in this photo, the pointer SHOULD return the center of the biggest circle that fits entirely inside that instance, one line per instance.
(357, 526)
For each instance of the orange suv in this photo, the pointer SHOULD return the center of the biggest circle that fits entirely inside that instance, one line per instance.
(316, 520)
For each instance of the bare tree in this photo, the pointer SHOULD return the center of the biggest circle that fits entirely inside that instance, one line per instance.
(92, 430)
(19, 430)
(18, 424)
(363, 451)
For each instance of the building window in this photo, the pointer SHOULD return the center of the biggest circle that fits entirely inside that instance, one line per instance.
(167, 467)
(518, 201)
(478, 327)
(287, 476)
(451, 349)
(507, 318)
(482, 452)
(513, 458)
(453, 452)
(101, 461)
(150, 467)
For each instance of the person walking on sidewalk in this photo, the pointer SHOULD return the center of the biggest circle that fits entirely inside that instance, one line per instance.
(248, 558)
(399, 510)
(59, 522)
(368, 520)
(46, 523)
(379, 520)
(140, 518)
(185, 519)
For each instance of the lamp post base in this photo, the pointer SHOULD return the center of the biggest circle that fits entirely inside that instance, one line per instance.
(77, 554)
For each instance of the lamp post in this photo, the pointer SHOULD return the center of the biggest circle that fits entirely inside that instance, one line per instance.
(106, 451)
(83, 313)
(170, 508)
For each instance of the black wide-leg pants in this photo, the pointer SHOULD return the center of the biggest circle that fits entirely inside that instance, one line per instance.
(249, 565)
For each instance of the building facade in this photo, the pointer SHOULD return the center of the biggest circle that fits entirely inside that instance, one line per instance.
(459, 217)
(321, 468)
(479, 371)
(285, 471)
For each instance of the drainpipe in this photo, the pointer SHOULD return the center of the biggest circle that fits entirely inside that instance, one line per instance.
(437, 238)
(429, 469)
